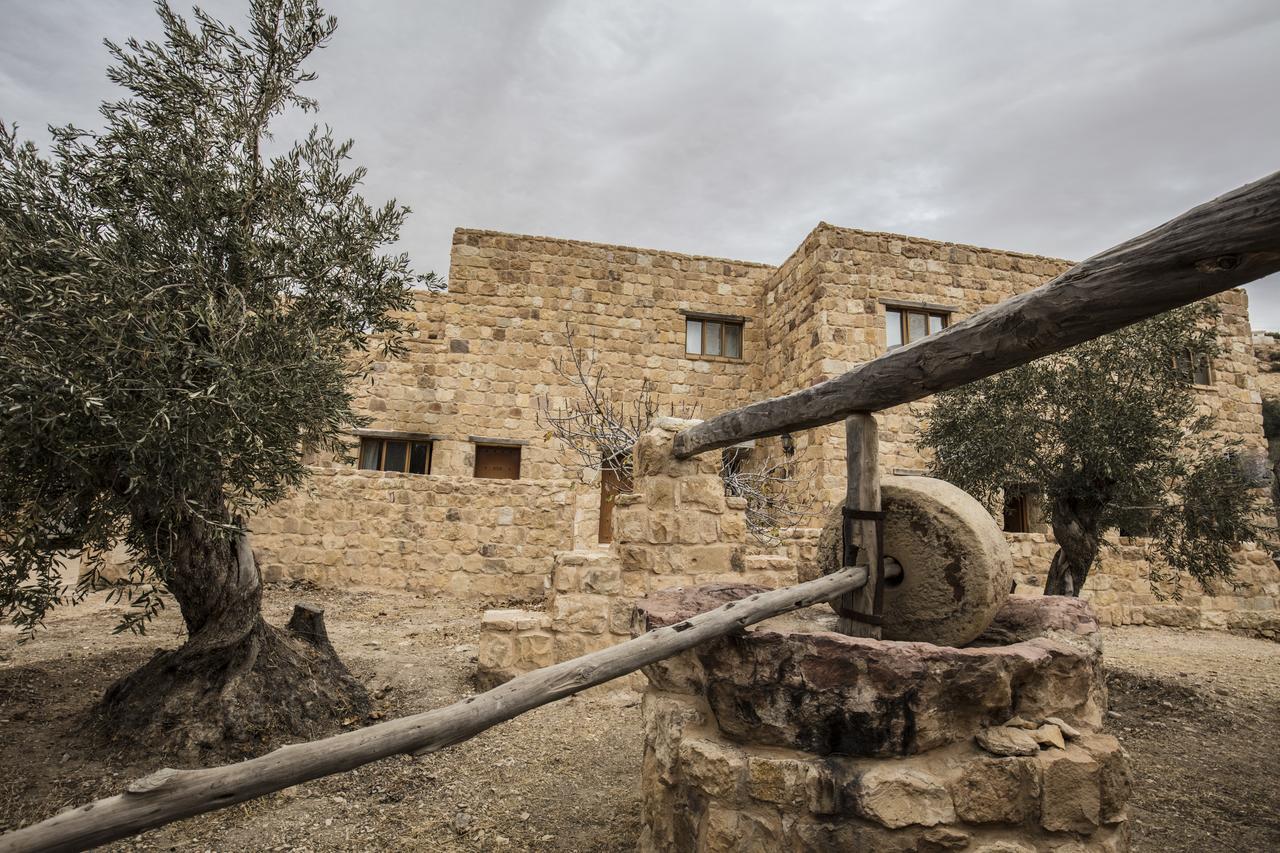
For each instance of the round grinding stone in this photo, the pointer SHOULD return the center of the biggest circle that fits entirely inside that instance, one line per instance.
(956, 565)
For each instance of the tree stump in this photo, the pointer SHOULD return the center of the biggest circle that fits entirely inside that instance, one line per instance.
(307, 622)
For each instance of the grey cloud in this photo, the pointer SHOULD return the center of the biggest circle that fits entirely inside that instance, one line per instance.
(731, 128)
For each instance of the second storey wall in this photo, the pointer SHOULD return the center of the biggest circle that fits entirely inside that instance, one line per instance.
(485, 359)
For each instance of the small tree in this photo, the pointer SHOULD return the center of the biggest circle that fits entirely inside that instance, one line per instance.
(178, 312)
(1107, 431)
(600, 426)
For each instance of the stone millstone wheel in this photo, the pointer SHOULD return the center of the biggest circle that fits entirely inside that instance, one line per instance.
(956, 564)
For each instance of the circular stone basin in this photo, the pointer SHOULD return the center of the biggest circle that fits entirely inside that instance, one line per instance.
(793, 682)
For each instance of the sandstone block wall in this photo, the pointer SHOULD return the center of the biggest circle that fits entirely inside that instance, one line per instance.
(824, 310)
(480, 360)
(1120, 593)
(676, 529)
(1266, 350)
(478, 363)
(722, 795)
(456, 535)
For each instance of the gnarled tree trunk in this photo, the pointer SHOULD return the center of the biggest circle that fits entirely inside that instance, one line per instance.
(1078, 539)
(237, 679)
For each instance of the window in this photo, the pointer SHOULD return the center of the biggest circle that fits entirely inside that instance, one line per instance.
(905, 325)
(718, 337)
(731, 459)
(497, 462)
(1194, 367)
(1136, 525)
(1019, 513)
(405, 455)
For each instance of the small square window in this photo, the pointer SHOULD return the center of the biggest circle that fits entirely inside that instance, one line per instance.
(497, 462)
(721, 338)
(405, 455)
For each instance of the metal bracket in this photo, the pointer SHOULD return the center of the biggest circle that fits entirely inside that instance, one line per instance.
(850, 558)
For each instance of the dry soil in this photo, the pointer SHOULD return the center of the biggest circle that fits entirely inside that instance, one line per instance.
(1198, 711)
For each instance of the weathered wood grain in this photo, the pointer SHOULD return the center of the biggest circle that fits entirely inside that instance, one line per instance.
(1221, 244)
(168, 795)
(862, 444)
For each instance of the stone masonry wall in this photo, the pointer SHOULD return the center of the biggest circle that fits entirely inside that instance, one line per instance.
(1266, 350)
(824, 315)
(676, 529)
(1120, 594)
(842, 276)
(482, 357)
(790, 737)
(850, 274)
(457, 535)
(478, 361)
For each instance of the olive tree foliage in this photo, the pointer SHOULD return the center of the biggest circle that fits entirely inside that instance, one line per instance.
(179, 309)
(1109, 432)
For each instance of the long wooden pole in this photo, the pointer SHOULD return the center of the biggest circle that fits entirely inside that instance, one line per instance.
(169, 795)
(1221, 244)
(862, 445)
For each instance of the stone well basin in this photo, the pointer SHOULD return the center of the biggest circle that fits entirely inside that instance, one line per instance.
(793, 682)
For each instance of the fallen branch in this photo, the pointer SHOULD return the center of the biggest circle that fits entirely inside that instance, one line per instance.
(168, 795)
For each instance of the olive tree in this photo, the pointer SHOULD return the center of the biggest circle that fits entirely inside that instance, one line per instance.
(181, 317)
(1108, 432)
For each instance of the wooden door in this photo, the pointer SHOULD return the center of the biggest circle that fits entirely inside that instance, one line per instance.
(610, 488)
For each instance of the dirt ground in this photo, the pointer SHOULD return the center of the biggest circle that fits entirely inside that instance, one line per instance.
(1198, 711)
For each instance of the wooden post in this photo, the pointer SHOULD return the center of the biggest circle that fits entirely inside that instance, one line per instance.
(862, 444)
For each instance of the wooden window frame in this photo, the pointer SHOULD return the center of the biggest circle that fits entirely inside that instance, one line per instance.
(1187, 361)
(904, 313)
(723, 321)
(410, 441)
(1021, 509)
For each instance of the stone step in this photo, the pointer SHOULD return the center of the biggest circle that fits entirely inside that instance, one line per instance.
(584, 557)
(585, 572)
(514, 620)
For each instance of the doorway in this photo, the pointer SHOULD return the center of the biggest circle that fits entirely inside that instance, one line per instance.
(610, 488)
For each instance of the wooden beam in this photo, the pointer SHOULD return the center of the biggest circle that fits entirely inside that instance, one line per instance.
(1221, 244)
(862, 444)
(169, 795)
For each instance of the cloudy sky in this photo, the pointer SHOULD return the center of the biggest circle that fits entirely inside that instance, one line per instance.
(732, 128)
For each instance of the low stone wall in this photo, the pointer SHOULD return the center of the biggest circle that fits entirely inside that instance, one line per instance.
(584, 612)
(1120, 593)
(794, 738)
(469, 538)
(677, 529)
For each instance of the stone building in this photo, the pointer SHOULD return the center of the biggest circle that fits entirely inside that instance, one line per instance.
(458, 490)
